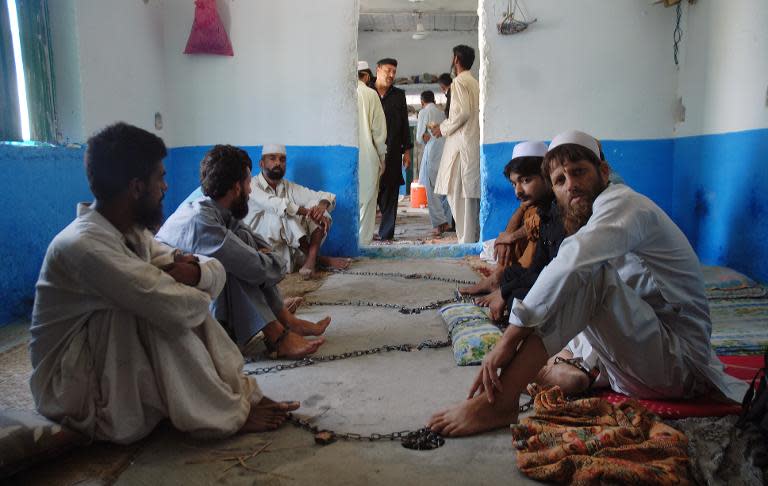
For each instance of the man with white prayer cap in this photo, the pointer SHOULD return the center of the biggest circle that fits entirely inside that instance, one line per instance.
(625, 279)
(372, 138)
(294, 219)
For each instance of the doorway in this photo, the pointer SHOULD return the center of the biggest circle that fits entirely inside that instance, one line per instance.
(420, 36)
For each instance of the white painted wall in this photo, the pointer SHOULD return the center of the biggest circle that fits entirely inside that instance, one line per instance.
(292, 79)
(724, 71)
(431, 55)
(603, 67)
(120, 45)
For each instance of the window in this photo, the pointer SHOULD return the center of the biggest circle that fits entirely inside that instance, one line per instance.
(26, 80)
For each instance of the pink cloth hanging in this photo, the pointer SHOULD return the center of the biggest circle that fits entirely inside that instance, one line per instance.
(208, 35)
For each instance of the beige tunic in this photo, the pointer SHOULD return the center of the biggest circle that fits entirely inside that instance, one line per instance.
(118, 345)
(372, 138)
(460, 164)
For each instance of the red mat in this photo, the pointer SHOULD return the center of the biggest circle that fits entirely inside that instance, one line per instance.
(742, 367)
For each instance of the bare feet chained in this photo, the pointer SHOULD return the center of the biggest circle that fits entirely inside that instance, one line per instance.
(267, 415)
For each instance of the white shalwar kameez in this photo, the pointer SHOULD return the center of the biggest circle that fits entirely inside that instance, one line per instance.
(273, 215)
(631, 284)
(372, 138)
(118, 345)
(439, 209)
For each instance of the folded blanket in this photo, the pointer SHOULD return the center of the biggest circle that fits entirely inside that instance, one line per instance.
(591, 441)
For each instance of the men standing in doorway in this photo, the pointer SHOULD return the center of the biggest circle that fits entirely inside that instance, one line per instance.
(459, 175)
(372, 139)
(398, 144)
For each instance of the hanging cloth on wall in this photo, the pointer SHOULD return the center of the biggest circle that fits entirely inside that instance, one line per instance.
(208, 35)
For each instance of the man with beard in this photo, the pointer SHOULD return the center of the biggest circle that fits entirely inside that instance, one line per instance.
(122, 337)
(532, 237)
(250, 307)
(398, 144)
(626, 279)
(293, 219)
(459, 174)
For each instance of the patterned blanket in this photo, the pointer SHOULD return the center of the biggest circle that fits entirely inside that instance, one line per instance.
(590, 441)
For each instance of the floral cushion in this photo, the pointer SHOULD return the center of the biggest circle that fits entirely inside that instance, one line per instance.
(724, 278)
(472, 332)
(26, 437)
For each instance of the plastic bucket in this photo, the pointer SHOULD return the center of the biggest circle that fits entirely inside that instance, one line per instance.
(418, 195)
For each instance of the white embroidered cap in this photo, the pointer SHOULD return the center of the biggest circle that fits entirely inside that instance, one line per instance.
(529, 149)
(578, 138)
(273, 149)
(361, 65)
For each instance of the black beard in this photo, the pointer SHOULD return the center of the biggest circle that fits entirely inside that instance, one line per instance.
(275, 174)
(149, 216)
(240, 207)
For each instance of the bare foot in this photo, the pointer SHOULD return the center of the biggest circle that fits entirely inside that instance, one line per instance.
(497, 305)
(308, 274)
(293, 303)
(488, 284)
(336, 263)
(307, 328)
(471, 417)
(267, 415)
(294, 346)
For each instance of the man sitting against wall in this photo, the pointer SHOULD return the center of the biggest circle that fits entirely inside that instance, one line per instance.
(625, 279)
(250, 306)
(293, 219)
(531, 238)
(122, 337)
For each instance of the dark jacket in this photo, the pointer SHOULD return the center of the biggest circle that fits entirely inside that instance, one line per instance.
(398, 135)
(517, 280)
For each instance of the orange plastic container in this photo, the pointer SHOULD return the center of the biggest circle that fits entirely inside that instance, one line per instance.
(418, 195)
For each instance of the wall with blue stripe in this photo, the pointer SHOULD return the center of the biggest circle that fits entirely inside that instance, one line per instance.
(40, 188)
(720, 186)
(646, 165)
(326, 168)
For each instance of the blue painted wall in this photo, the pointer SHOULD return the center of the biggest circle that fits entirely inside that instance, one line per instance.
(646, 165)
(40, 188)
(721, 190)
(326, 168)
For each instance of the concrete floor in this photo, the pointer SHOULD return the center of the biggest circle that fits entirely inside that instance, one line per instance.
(383, 393)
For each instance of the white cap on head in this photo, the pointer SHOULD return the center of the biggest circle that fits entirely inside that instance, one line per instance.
(577, 137)
(529, 149)
(273, 149)
(361, 65)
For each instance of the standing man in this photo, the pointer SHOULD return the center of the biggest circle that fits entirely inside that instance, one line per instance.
(398, 144)
(459, 176)
(372, 138)
(430, 115)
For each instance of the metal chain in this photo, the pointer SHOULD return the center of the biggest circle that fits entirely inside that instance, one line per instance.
(420, 439)
(410, 276)
(309, 361)
(403, 309)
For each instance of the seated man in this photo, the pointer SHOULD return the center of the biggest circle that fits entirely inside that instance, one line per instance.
(293, 219)
(534, 240)
(626, 279)
(212, 226)
(121, 333)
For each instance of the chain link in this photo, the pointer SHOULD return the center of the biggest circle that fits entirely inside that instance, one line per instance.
(421, 439)
(309, 361)
(409, 276)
